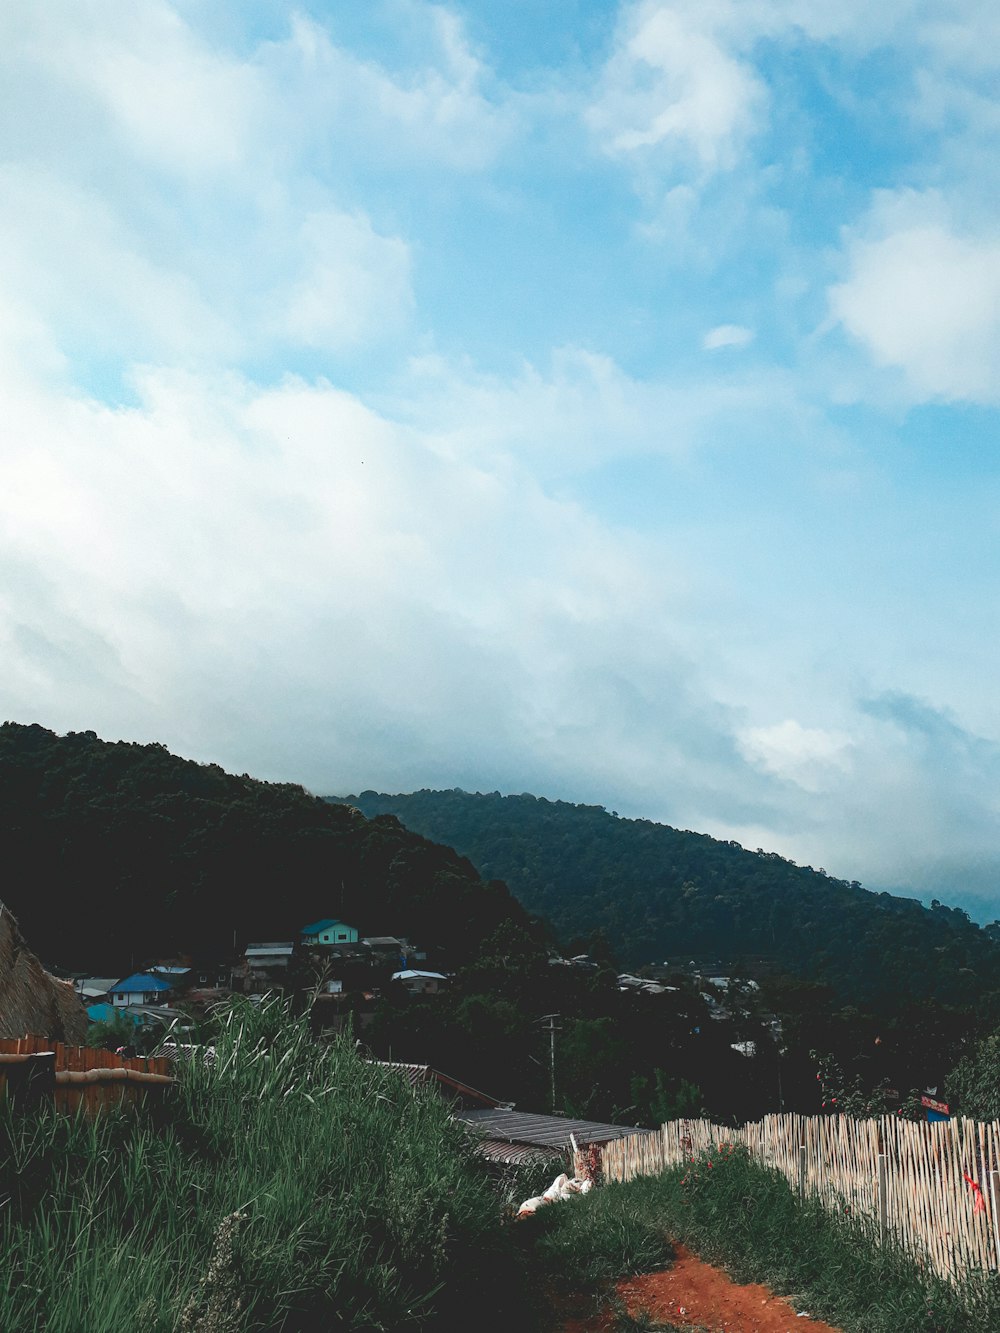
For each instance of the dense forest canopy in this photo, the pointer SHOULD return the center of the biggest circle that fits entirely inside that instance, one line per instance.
(117, 850)
(658, 892)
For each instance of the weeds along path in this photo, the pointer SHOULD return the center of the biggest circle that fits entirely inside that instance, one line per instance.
(693, 1294)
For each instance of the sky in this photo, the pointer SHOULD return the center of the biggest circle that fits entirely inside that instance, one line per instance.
(597, 400)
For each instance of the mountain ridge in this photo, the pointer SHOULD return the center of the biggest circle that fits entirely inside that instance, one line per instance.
(115, 849)
(656, 891)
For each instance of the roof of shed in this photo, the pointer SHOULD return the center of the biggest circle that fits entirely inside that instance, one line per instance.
(541, 1131)
(516, 1154)
(419, 1076)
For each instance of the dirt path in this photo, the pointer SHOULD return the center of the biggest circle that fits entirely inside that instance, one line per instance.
(693, 1294)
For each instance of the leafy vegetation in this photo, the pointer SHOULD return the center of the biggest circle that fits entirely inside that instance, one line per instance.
(655, 892)
(619, 1056)
(591, 1240)
(283, 1187)
(115, 850)
(736, 1213)
(974, 1084)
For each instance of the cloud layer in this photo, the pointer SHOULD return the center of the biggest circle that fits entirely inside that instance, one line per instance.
(384, 405)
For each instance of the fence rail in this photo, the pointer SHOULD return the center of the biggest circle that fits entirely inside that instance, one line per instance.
(73, 1076)
(935, 1188)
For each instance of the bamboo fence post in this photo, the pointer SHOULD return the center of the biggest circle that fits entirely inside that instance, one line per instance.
(994, 1201)
(883, 1200)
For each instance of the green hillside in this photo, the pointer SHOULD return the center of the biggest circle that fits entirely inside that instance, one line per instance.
(656, 891)
(114, 850)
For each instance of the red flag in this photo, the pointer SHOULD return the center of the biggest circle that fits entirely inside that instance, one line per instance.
(980, 1204)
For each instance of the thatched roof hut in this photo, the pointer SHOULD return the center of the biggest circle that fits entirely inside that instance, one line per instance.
(31, 999)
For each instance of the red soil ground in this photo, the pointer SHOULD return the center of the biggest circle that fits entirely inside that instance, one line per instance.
(693, 1294)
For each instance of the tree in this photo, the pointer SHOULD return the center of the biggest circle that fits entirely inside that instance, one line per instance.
(974, 1084)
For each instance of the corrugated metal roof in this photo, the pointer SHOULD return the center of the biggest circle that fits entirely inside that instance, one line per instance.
(419, 1076)
(544, 1131)
(517, 1154)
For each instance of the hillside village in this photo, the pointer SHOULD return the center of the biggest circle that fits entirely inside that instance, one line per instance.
(329, 960)
(342, 972)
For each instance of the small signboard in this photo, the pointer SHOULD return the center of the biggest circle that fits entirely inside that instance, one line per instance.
(932, 1104)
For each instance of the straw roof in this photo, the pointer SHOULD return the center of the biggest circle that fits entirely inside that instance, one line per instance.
(31, 999)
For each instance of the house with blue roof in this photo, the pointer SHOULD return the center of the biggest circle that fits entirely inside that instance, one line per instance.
(329, 931)
(140, 988)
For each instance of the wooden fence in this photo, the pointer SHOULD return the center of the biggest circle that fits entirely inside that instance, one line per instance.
(73, 1076)
(935, 1188)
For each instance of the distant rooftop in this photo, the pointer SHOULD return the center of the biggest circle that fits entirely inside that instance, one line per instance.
(509, 1136)
(419, 1076)
(140, 982)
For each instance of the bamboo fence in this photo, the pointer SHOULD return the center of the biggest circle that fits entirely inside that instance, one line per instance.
(82, 1076)
(934, 1188)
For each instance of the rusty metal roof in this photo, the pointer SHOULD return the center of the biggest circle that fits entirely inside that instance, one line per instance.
(419, 1076)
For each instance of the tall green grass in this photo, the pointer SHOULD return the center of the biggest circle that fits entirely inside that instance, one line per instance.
(286, 1187)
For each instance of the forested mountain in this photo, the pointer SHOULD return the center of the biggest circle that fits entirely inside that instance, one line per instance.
(656, 891)
(114, 850)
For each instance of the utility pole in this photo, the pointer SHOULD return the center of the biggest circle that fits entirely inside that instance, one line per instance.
(552, 1029)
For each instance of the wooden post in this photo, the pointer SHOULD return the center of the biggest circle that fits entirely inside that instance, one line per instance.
(32, 1080)
(994, 1203)
(802, 1170)
(883, 1193)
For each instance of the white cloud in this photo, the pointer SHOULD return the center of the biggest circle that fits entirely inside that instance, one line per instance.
(440, 112)
(924, 298)
(355, 285)
(285, 579)
(170, 98)
(71, 259)
(582, 409)
(798, 754)
(672, 85)
(727, 335)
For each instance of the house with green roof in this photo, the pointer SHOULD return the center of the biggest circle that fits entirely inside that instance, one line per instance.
(329, 931)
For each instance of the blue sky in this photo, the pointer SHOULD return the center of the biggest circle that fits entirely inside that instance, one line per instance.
(589, 399)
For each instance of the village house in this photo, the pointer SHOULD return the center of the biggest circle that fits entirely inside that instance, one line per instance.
(93, 990)
(392, 947)
(420, 983)
(329, 931)
(141, 988)
(266, 966)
